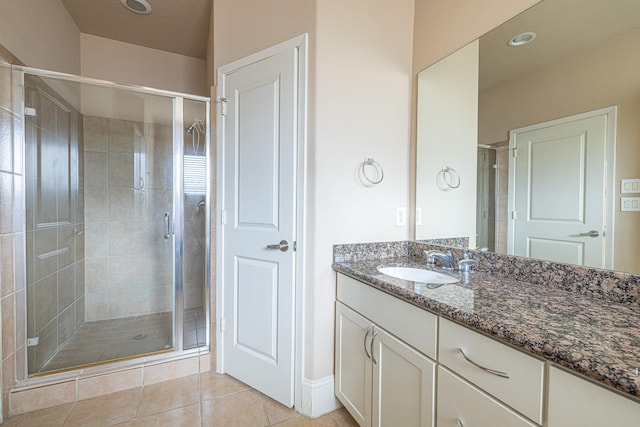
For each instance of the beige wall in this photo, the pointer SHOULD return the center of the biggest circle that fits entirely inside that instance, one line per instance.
(359, 91)
(363, 89)
(600, 77)
(41, 34)
(242, 28)
(128, 63)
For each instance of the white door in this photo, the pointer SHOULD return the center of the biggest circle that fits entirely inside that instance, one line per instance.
(259, 133)
(559, 177)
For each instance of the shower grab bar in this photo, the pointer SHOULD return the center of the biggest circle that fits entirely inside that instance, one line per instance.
(167, 225)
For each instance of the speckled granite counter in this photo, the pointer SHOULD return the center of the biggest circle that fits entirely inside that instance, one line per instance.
(595, 337)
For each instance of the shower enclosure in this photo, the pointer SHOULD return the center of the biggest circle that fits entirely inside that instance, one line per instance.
(116, 193)
(486, 198)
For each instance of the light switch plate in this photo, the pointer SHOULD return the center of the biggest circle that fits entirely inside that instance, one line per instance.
(630, 186)
(630, 204)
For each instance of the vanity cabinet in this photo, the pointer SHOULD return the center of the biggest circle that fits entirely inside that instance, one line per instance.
(574, 401)
(382, 379)
(389, 351)
(510, 375)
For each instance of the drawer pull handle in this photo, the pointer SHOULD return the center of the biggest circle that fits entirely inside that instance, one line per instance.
(459, 422)
(365, 341)
(375, 334)
(489, 370)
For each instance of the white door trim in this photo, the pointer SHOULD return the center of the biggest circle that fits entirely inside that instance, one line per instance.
(300, 44)
(611, 114)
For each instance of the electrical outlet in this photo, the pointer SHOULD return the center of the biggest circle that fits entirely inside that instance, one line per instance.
(418, 216)
(630, 186)
(401, 216)
(630, 204)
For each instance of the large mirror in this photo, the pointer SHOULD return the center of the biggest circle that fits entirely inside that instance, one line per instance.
(534, 149)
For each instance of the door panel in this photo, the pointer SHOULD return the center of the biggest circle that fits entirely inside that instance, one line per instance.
(353, 364)
(557, 167)
(557, 250)
(259, 161)
(258, 148)
(403, 384)
(559, 191)
(256, 307)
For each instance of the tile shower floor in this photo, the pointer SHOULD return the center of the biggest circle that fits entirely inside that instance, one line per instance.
(207, 399)
(112, 339)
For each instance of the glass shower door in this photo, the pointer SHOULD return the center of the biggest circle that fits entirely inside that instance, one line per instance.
(101, 248)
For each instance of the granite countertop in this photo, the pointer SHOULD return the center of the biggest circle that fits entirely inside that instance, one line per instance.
(595, 337)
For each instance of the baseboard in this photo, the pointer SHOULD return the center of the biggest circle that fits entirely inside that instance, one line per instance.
(318, 397)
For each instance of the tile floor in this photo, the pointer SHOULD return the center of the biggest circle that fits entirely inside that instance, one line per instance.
(206, 399)
(112, 339)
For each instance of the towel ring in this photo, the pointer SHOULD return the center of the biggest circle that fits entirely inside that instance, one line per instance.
(377, 168)
(449, 177)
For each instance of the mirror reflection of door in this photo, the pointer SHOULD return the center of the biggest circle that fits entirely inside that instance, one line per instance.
(560, 180)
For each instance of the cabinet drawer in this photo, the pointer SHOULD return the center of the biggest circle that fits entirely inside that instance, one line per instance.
(574, 401)
(522, 390)
(462, 404)
(411, 324)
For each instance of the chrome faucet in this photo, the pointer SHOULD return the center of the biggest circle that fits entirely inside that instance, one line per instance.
(445, 259)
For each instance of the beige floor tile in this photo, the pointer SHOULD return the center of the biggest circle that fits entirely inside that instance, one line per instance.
(276, 412)
(187, 416)
(105, 410)
(50, 417)
(169, 395)
(214, 385)
(343, 418)
(323, 421)
(242, 409)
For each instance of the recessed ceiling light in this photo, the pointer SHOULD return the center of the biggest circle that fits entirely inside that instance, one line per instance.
(137, 6)
(521, 39)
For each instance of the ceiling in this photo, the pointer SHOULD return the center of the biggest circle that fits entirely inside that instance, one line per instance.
(563, 27)
(178, 26)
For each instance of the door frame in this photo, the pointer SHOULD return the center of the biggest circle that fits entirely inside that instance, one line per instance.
(300, 45)
(610, 198)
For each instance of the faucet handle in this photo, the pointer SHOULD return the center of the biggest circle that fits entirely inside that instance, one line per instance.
(465, 264)
(430, 259)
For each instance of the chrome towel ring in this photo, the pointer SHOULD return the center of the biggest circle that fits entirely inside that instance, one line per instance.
(448, 178)
(379, 173)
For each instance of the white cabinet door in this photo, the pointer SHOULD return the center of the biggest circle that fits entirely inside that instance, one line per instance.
(353, 381)
(460, 404)
(577, 402)
(403, 384)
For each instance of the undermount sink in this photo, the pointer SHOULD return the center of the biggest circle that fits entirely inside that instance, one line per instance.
(418, 275)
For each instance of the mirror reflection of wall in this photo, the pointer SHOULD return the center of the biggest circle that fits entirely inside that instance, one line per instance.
(585, 57)
(447, 131)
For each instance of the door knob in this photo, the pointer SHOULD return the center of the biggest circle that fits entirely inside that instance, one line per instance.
(592, 233)
(283, 246)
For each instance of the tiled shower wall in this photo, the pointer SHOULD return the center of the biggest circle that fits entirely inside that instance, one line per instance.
(12, 290)
(128, 189)
(54, 221)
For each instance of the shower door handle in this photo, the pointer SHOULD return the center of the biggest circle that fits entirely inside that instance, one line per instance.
(167, 225)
